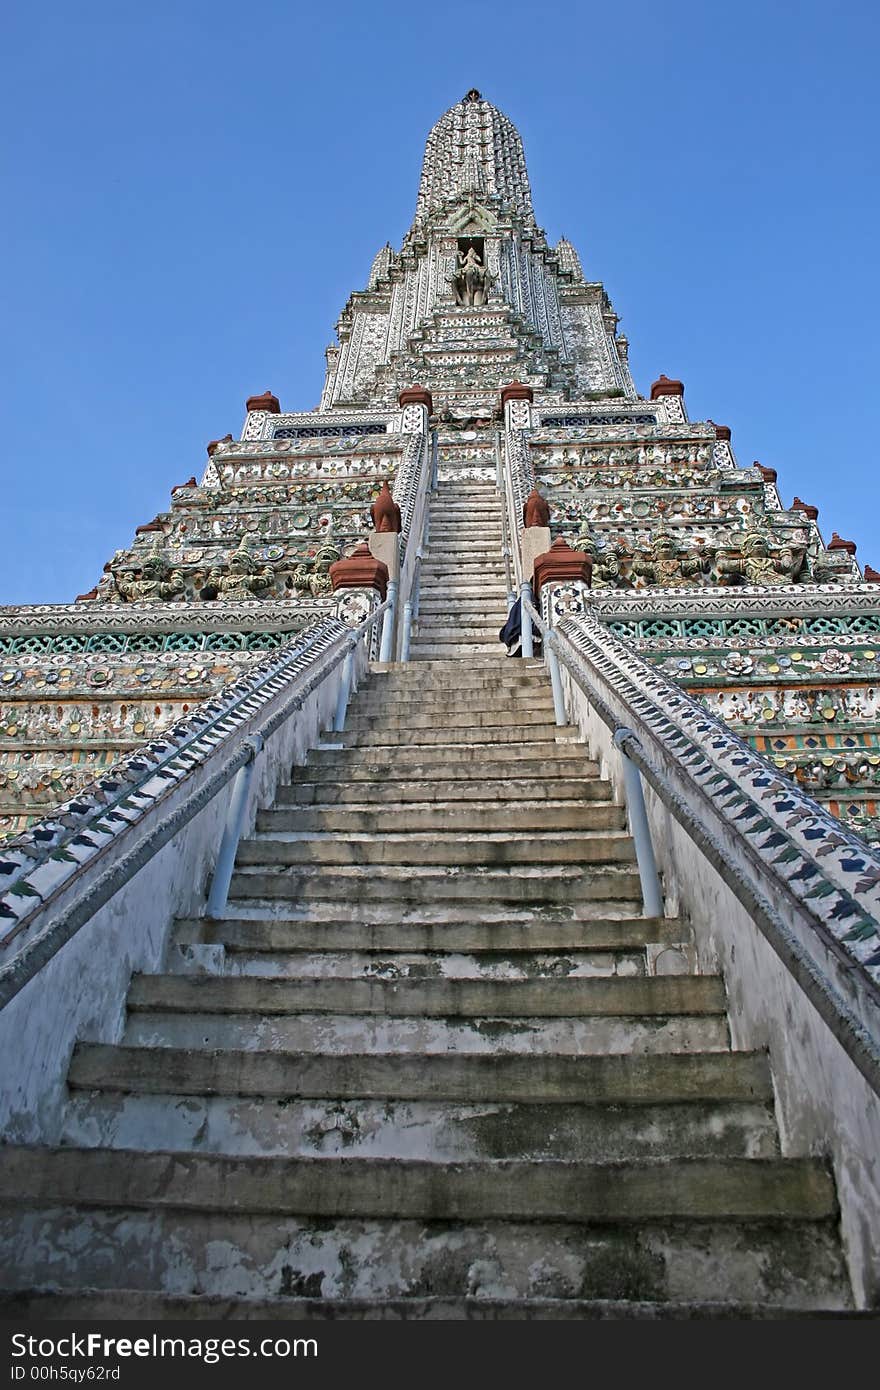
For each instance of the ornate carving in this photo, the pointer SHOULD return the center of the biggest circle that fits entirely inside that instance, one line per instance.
(152, 582)
(759, 561)
(244, 577)
(668, 565)
(472, 279)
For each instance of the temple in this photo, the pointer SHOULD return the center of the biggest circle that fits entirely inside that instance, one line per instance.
(549, 986)
(696, 560)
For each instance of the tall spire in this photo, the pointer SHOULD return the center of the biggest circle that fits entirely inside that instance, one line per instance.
(475, 148)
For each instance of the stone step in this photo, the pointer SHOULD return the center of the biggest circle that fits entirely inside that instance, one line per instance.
(460, 791)
(531, 668)
(447, 681)
(381, 928)
(431, 650)
(456, 627)
(402, 702)
(95, 1305)
(429, 1130)
(263, 1256)
(541, 763)
(321, 963)
(465, 608)
(416, 817)
(274, 848)
(676, 1079)
(465, 720)
(477, 590)
(524, 884)
(713, 1189)
(403, 1034)
(521, 731)
(437, 997)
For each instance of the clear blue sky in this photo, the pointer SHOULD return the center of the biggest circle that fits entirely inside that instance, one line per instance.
(193, 189)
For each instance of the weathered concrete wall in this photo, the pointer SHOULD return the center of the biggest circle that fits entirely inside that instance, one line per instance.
(80, 993)
(824, 1105)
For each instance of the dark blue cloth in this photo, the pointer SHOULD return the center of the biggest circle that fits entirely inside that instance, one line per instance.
(512, 629)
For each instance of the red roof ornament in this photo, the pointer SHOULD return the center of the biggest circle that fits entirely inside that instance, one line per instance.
(154, 525)
(265, 402)
(215, 444)
(360, 570)
(384, 512)
(561, 565)
(535, 510)
(872, 576)
(837, 544)
(721, 431)
(768, 474)
(799, 506)
(516, 391)
(416, 395)
(665, 386)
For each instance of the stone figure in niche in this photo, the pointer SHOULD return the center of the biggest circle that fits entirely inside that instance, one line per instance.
(245, 577)
(666, 566)
(384, 512)
(759, 561)
(154, 582)
(471, 280)
(314, 578)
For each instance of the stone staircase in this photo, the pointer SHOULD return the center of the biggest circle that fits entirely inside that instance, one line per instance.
(463, 602)
(432, 1063)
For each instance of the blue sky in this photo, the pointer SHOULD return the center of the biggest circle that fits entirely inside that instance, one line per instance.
(193, 190)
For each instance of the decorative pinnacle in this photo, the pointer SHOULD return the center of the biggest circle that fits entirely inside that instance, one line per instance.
(473, 95)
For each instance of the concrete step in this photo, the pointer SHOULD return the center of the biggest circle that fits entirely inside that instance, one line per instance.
(429, 651)
(456, 627)
(673, 1260)
(676, 1079)
(445, 817)
(404, 1034)
(97, 1305)
(429, 1130)
(276, 849)
(435, 997)
(538, 713)
(288, 962)
(523, 884)
(540, 763)
(458, 791)
(402, 702)
(524, 733)
(379, 928)
(719, 1189)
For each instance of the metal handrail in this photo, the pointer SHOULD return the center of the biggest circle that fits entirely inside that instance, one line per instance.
(276, 696)
(652, 896)
(858, 1041)
(510, 544)
(410, 573)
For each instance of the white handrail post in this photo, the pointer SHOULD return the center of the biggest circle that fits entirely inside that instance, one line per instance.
(388, 622)
(555, 678)
(407, 628)
(222, 876)
(528, 648)
(345, 685)
(652, 898)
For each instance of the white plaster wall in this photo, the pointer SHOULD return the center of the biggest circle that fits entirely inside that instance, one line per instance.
(824, 1105)
(80, 993)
